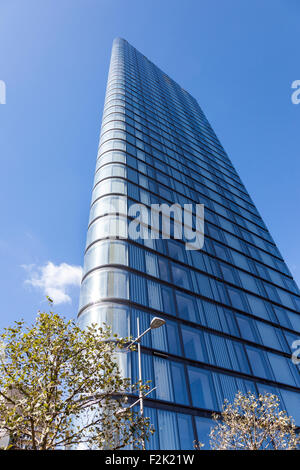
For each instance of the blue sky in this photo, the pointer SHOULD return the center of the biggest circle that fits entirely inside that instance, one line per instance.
(238, 58)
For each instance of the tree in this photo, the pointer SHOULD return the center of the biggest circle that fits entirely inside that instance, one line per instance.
(253, 423)
(61, 386)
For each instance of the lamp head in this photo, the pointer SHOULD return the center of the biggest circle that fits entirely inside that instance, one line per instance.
(156, 322)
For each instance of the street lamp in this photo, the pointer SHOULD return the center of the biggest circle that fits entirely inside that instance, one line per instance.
(155, 323)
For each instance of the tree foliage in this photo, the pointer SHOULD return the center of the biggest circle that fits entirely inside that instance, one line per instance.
(61, 386)
(253, 423)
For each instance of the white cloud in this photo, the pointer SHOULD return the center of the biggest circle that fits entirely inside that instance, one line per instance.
(54, 280)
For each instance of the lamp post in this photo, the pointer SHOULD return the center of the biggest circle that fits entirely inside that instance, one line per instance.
(155, 323)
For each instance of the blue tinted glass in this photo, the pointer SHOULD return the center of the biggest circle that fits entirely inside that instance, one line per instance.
(246, 328)
(173, 338)
(204, 426)
(163, 379)
(228, 273)
(181, 276)
(241, 357)
(176, 251)
(186, 306)
(258, 363)
(295, 320)
(168, 300)
(236, 298)
(228, 322)
(167, 421)
(201, 388)
(257, 307)
(203, 285)
(156, 146)
(292, 404)
(186, 433)
(268, 335)
(153, 442)
(179, 383)
(194, 346)
(281, 369)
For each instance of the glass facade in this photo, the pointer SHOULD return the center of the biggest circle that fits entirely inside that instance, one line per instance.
(231, 308)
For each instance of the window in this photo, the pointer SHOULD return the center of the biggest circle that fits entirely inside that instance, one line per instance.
(138, 289)
(194, 346)
(215, 233)
(235, 298)
(258, 362)
(268, 335)
(108, 226)
(204, 285)
(108, 205)
(165, 193)
(262, 272)
(197, 259)
(282, 316)
(254, 252)
(107, 252)
(113, 315)
(292, 404)
(154, 295)
(204, 426)
(258, 307)
(164, 269)
(117, 284)
(221, 252)
(103, 283)
(151, 264)
(176, 251)
(249, 282)
(263, 388)
(228, 385)
(186, 434)
(218, 353)
(163, 379)
(202, 391)
(285, 298)
(173, 338)
(186, 307)
(228, 273)
(296, 302)
(271, 292)
(210, 314)
(239, 359)
(136, 257)
(221, 293)
(166, 421)
(281, 369)
(109, 171)
(295, 320)
(247, 328)
(228, 321)
(152, 443)
(290, 338)
(179, 383)
(180, 276)
(168, 300)
(240, 260)
(112, 157)
(231, 240)
(111, 185)
(97, 255)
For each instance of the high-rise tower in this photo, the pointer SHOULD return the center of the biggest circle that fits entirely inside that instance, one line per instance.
(231, 308)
